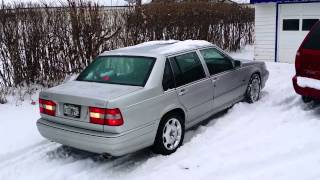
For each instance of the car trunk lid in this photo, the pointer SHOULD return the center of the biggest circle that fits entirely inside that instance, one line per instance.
(74, 98)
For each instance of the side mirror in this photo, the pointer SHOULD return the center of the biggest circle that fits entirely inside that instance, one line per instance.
(237, 63)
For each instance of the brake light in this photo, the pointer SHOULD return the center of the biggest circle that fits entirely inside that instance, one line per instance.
(47, 107)
(298, 62)
(97, 115)
(110, 117)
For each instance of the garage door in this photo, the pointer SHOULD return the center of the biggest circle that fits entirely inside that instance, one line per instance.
(295, 21)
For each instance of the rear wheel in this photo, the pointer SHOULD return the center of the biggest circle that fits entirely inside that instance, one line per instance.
(306, 99)
(253, 90)
(170, 135)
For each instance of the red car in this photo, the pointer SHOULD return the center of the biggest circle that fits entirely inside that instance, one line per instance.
(306, 82)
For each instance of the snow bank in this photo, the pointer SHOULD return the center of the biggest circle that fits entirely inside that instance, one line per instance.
(277, 138)
(308, 82)
(18, 129)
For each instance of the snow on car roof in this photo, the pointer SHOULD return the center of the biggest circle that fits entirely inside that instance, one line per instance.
(183, 45)
(163, 47)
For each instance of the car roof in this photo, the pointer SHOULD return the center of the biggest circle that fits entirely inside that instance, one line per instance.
(159, 48)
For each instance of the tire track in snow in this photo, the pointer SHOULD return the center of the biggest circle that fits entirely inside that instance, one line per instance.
(20, 155)
(57, 157)
(244, 143)
(273, 162)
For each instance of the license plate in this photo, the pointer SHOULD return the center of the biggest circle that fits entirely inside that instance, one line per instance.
(71, 110)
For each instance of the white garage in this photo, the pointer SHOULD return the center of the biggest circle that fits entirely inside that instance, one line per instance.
(281, 26)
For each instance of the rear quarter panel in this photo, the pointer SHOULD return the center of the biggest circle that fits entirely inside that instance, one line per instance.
(146, 106)
(252, 67)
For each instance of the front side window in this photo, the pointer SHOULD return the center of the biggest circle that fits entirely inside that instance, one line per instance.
(187, 68)
(215, 61)
(126, 70)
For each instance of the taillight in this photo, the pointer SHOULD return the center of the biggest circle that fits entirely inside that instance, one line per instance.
(110, 117)
(97, 115)
(47, 107)
(298, 62)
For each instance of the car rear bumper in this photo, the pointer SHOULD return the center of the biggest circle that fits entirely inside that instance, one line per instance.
(95, 141)
(305, 91)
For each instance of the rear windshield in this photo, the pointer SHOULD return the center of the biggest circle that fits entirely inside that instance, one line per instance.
(313, 41)
(126, 70)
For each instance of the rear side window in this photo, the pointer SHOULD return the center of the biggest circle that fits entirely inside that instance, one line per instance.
(168, 80)
(215, 61)
(126, 70)
(187, 68)
(313, 39)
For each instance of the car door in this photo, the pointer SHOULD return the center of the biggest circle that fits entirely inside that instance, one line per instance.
(228, 80)
(192, 85)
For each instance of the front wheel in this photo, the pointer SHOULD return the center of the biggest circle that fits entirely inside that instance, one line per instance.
(253, 90)
(169, 136)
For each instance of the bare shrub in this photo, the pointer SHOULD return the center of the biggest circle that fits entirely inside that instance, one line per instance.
(230, 26)
(43, 45)
(3, 93)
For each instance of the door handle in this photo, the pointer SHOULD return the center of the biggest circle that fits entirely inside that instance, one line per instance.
(182, 92)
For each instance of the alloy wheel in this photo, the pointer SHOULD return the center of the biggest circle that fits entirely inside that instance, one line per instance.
(172, 133)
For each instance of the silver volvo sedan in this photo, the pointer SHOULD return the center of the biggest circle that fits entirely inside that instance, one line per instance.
(146, 96)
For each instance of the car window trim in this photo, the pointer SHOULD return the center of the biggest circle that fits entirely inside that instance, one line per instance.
(222, 54)
(172, 74)
(223, 72)
(220, 51)
(193, 83)
(170, 58)
(153, 59)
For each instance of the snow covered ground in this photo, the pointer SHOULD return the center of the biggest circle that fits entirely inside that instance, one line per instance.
(277, 138)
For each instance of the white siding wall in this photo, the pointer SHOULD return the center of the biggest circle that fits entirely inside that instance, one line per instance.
(265, 31)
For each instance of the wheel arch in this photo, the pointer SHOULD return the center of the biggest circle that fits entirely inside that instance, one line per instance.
(246, 96)
(256, 72)
(259, 74)
(157, 148)
(176, 111)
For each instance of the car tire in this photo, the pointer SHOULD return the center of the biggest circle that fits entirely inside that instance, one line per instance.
(306, 99)
(253, 90)
(170, 135)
